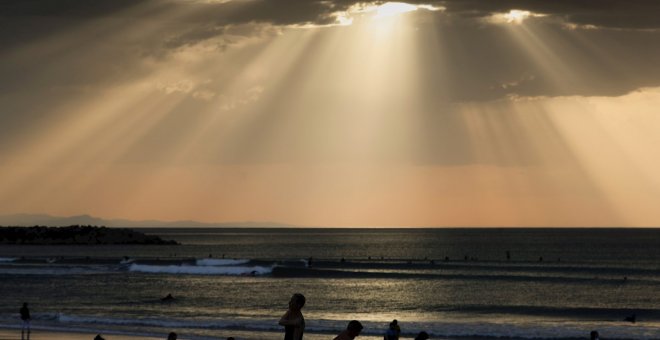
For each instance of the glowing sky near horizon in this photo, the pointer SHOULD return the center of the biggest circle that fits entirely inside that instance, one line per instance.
(332, 113)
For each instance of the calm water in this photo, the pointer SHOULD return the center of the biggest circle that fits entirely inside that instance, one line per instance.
(587, 279)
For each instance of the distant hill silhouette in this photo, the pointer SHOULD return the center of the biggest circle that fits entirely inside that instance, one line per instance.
(44, 219)
(77, 234)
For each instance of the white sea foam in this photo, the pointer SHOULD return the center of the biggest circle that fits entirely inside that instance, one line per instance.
(201, 270)
(220, 262)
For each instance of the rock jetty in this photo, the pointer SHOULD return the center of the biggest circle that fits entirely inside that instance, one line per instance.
(77, 234)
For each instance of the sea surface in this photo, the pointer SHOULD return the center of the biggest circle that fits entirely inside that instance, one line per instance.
(451, 283)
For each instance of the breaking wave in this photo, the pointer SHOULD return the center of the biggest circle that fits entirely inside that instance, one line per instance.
(201, 270)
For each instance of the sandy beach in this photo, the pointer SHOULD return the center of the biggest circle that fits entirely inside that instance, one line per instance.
(15, 334)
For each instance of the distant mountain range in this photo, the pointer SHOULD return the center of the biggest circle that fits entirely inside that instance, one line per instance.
(48, 220)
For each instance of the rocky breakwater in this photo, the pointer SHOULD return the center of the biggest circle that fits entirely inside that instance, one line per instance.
(76, 234)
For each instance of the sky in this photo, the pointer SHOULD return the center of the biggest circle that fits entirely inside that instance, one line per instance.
(333, 113)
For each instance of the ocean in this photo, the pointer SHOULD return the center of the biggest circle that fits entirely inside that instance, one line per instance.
(451, 283)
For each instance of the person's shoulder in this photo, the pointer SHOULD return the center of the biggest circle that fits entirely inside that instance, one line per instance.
(341, 336)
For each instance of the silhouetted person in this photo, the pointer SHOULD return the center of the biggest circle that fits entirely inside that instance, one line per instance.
(25, 316)
(632, 318)
(594, 335)
(98, 337)
(171, 336)
(508, 255)
(293, 320)
(540, 258)
(309, 262)
(167, 298)
(352, 330)
(422, 336)
(230, 338)
(390, 334)
(397, 329)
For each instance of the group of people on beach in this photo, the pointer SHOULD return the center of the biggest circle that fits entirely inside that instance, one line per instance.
(294, 324)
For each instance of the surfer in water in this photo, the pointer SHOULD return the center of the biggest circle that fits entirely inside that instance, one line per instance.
(167, 298)
(632, 318)
(293, 320)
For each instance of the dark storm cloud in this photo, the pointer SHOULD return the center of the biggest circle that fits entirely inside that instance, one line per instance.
(602, 13)
(101, 41)
(22, 21)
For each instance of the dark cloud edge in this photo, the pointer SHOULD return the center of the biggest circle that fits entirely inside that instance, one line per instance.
(617, 14)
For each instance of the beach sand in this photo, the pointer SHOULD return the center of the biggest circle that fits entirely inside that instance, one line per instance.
(15, 334)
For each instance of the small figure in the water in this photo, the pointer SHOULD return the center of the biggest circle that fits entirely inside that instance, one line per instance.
(343, 260)
(309, 262)
(98, 337)
(422, 336)
(167, 298)
(625, 279)
(508, 255)
(210, 255)
(171, 336)
(446, 258)
(25, 316)
(632, 318)
(540, 258)
(126, 260)
(594, 335)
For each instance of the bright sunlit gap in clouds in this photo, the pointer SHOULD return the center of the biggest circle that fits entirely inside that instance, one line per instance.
(514, 16)
(379, 11)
